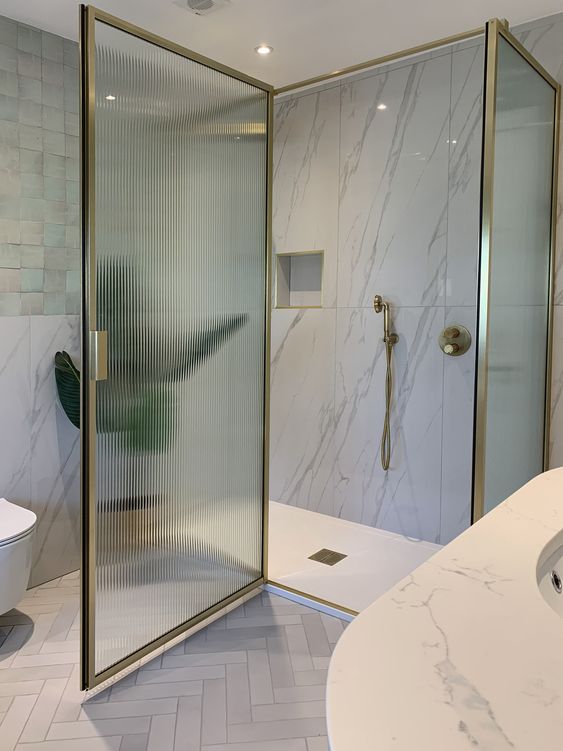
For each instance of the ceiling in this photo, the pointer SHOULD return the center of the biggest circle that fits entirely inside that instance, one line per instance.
(309, 37)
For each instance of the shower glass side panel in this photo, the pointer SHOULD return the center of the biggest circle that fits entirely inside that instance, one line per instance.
(176, 236)
(516, 259)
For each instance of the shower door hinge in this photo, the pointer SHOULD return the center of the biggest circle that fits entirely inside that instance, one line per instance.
(98, 355)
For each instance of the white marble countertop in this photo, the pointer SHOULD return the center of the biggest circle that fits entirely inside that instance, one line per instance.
(464, 653)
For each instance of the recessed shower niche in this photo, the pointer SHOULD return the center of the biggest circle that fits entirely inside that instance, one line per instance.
(299, 279)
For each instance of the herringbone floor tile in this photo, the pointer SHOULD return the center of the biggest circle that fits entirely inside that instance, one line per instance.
(252, 681)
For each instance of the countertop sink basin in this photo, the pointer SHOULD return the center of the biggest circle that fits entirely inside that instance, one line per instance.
(550, 574)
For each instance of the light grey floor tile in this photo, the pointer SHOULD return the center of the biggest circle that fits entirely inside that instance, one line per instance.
(5, 702)
(188, 724)
(316, 635)
(253, 681)
(280, 663)
(295, 744)
(155, 691)
(197, 660)
(64, 620)
(41, 627)
(55, 647)
(214, 712)
(84, 744)
(14, 721)
(11, 645)
(320, 743)
(311, 678)
(41, 717)
(259, 621)
(238, 694)
(289, 711)
(33, 661)
(94, 728)
(299, 693)
(69, 707)
(136, 742)
(161, 736)
(298, 648)
(261, 691)
(223, 645)
(20, 688)
(143, 708)
(37, 672)
(277, 730)
(167, 675)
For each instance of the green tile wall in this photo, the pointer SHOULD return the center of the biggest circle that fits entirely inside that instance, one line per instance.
(39, 171)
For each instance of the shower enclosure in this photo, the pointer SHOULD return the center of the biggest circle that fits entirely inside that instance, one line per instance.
(429, 178)
(176, 310)
(404, 177)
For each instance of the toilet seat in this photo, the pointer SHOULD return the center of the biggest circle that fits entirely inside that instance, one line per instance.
(15, 522)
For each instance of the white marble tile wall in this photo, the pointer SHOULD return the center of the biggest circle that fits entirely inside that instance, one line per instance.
(39, 460)
(406, 177)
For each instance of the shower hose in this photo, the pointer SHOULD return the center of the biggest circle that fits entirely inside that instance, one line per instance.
(386, 435)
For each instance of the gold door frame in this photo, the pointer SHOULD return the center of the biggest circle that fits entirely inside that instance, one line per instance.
(88, 16)
(493, 31)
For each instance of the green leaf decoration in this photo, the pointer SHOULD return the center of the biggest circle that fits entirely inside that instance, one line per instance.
(146, 417)
(68, 386)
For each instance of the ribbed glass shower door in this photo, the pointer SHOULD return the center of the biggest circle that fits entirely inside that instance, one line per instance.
(175, 198)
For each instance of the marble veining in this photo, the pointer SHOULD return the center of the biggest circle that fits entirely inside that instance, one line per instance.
(405, 499)
(453, 652)
(39, 461)
(306, 160)
(407, 200)
(394, 186)
(302, 408)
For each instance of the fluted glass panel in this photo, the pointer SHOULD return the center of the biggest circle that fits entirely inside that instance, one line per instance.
(519, 276)
(180, 229)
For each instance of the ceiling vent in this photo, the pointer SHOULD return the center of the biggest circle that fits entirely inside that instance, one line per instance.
(203, 7)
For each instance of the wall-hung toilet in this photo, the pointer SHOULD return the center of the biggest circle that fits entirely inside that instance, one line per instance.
(16, 534)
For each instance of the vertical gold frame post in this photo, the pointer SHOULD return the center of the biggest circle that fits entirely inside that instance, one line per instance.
(554, 206)
(494, 30)
(268, 337)
(87, 385)
(88, 17)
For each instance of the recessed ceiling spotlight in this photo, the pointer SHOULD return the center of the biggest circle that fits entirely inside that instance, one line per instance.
(110, 98)
(264, 49)
(381, 106)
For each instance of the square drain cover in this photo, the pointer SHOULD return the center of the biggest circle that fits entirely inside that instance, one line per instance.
(330, 557)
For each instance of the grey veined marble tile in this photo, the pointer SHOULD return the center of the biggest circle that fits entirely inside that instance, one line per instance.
(406, 498)
(394, 186)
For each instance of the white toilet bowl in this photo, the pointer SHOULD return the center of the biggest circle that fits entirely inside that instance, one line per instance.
(16, 534)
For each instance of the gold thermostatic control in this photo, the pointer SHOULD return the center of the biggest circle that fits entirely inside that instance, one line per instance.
(455, 340)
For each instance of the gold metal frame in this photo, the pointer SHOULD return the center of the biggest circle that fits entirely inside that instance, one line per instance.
(292, 254)
(313, 598)
(384, 59)
(495, 29)
(88, 17)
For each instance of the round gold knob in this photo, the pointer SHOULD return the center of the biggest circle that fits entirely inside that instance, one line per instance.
(455, 340)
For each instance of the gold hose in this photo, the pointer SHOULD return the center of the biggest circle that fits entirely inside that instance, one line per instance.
(386, 435)
(389, 340)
